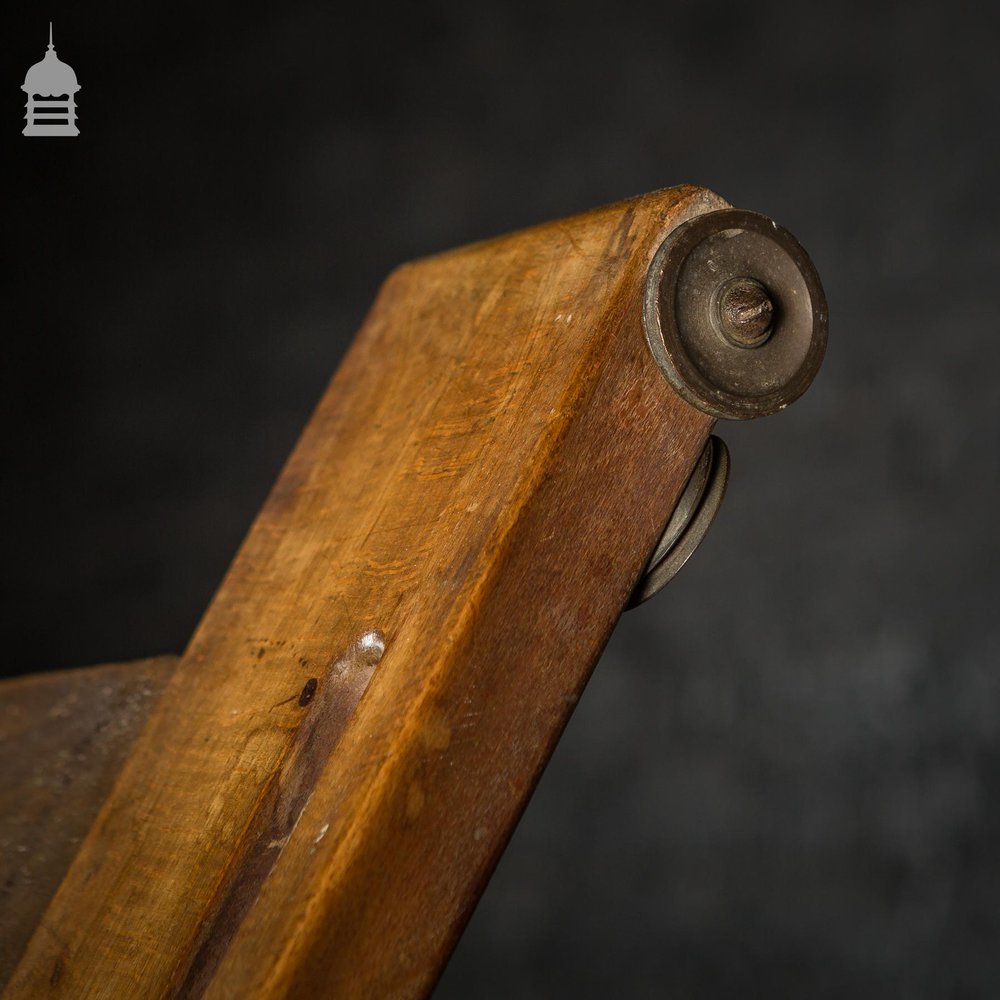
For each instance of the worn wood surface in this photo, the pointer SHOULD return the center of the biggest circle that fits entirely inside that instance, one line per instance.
(63, 739)
(478, 490)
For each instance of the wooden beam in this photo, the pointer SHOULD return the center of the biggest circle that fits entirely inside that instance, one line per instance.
(358, 721)
(64, 736)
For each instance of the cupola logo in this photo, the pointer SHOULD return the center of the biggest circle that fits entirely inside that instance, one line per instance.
(51, 88)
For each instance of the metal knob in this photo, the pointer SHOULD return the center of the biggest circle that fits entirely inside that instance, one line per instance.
(735, 314)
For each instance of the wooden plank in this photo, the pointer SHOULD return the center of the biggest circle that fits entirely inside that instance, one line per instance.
(63, 739)
(477, 492)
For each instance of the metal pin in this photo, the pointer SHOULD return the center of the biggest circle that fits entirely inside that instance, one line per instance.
(746, 312)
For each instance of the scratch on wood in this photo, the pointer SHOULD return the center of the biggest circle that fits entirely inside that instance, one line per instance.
(284, 801)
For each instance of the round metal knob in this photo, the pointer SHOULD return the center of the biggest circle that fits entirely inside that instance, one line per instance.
(735, 314)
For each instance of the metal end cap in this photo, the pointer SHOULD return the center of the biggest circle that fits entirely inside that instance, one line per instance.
(735, 314)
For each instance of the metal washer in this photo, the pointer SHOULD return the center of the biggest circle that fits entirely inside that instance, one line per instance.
(722, 378)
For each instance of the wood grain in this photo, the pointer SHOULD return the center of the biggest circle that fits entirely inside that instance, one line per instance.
(480, 486)
(64, 736)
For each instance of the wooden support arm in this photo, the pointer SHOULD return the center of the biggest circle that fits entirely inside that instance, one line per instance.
(64, 736)
(344, 748)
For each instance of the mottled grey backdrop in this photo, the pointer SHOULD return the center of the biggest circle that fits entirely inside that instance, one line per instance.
(783, 780)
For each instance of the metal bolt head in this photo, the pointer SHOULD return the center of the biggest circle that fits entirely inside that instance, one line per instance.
(745, 312)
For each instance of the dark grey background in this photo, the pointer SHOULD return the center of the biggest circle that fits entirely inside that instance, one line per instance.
(783, 778)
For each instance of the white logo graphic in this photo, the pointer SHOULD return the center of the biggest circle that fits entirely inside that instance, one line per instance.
(51, 86)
